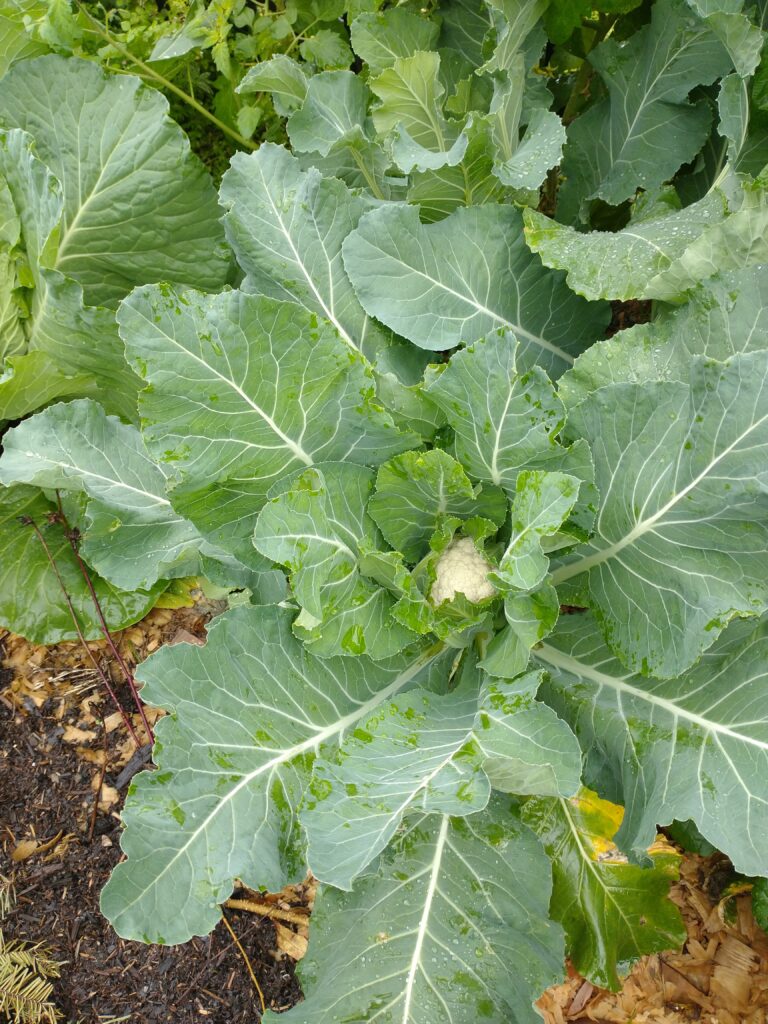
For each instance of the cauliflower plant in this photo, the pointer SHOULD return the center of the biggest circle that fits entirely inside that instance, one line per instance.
(463, 569)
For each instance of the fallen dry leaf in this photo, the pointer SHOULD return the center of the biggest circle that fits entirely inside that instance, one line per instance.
(74, 735)
(24, 850)
(293, 944)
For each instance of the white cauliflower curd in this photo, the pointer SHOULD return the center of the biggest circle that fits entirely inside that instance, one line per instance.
(463, 569)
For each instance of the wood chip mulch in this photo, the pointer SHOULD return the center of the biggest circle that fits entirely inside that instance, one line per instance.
(720, 977)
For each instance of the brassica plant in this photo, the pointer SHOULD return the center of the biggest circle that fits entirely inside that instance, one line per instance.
(499, 576)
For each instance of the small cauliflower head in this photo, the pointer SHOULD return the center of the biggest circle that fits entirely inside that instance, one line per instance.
(462, 569)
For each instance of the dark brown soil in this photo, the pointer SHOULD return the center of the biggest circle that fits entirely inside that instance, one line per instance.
(627, 314)
(45, 789)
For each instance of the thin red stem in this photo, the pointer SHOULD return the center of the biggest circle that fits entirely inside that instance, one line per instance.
(103, 623)
(100, 671)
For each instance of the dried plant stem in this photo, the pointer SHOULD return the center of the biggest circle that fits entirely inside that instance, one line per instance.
(97, 798)
(244, 955)
(266, 910)
(99, 670)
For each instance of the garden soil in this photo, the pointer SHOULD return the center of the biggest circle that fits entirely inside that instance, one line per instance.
(60, 797)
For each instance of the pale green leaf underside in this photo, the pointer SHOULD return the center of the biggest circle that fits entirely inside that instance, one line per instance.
(695, 747)
(430, 937)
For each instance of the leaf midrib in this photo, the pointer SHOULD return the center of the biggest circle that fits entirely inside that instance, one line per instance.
(568, 663)
(306, 746)
(565, 572)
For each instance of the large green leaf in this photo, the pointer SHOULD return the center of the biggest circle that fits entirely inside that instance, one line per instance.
(410, 110)
(244, 390)
(380, 37)
(539, 150)
(612, 912)
(33, 380)
(430, 936)
(743, 126)
(336, 102)
(248, 712)
(286, 226)
(78, 340)
(359, 162)
(30, 198)
(530, 617)
(402, 757)
(663, 255)
(742, 39)
(455, 281)
(465, 26)
(471, 182)
(524, 747)
(741, 240)
(31, 602)
(138, 206)
(647, 127)
(83, 340)
(693, 747)
(134, 537)
(281, 76)
(631, 263)
(724, 316)
(542, 503)
(317, 529)
(30, 207)
(514, 22)
(681, 543)
(16, 41)
(522, 160)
